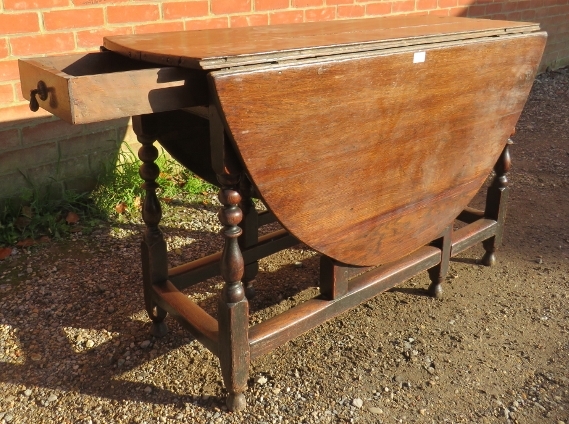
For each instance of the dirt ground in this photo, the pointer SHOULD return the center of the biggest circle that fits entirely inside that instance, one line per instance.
(75, 348)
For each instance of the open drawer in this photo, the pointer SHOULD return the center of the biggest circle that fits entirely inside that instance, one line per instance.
(90, 87)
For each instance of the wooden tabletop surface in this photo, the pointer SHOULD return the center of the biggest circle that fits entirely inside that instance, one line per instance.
(221, 48)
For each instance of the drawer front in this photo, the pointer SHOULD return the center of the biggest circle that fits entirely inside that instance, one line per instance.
(92, 87)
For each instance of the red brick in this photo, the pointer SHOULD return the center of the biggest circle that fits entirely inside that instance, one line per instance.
(307, 3)
(458, 11)
(185, 9)
(9, 139)
(222, 7)
(476, 10)
(378, 9)
(448, 3)
(522, 5)
(331, 2)
(18, 92)
(18, 23)
(96, 2)
(426, 4)
(94, 37)
(74, 18)
(33, 4)
(324, 14)
(248, 20)
(75, 146)
(51, 130)
(439, 12)
(403, 6)
(132, 13)
(492, 9)
(499, 17)
(483, 1)
(20, 112)
(24, 158)
(262, 5)
(536, 4)
(159, 27)
(44, 43)
(509, 6)
(6, 94)
(528, 15)
(3, 48)
(292, 17)
(9, 70)
(515, 16)
(352, 11)
(207, 23)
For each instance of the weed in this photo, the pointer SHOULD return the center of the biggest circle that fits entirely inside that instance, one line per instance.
(119, 193)
(117, 197)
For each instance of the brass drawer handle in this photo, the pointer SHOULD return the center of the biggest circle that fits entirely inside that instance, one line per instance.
(42, 92)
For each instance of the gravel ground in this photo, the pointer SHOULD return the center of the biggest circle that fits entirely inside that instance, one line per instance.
(75, 347)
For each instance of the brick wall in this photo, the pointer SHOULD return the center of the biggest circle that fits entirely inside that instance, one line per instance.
(38, 148)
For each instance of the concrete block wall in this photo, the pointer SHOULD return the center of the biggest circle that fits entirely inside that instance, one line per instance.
(37, 148)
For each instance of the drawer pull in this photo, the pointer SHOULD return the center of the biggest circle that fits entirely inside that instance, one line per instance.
(42, 92)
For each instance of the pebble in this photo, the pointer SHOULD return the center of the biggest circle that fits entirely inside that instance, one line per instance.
(111, 309)
(375, 410)
(148, 389)
(28, 392)
(89, 344)
(52, 398)
(8, 417)
(358, 403)
(261, 380)
(145, 344)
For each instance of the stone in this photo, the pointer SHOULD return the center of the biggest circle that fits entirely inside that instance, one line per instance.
(375, 410)
(261, 380)
(358, 403)
(148, 390)
(145, 344)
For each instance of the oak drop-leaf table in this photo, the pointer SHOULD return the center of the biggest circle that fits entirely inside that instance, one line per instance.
(365, 139)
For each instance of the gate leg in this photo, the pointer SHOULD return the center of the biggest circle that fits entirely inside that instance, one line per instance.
(496, 204)
(153, 246)
(438, 273)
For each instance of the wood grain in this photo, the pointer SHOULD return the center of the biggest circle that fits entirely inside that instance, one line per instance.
(367, 159)
(221, 48)
(95, 87)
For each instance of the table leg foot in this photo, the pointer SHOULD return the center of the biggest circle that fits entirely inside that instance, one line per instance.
(158, 329)
(489, 259)
(236, 402)
(438, 273)
(435, 290)
(250, 292)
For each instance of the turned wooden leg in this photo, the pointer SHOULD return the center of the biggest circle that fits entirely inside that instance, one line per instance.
(233, 306)
(153, 246)
(496, 204)
(250, 235)
(438, 273)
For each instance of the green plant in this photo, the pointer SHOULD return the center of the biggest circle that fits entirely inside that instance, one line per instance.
(119, 191)
(38, 212)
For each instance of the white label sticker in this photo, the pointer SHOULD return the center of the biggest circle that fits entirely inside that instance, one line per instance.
(419, 57)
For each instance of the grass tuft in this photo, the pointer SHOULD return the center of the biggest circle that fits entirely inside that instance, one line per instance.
(117, 197)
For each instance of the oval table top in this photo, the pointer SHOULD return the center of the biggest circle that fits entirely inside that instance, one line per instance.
(378, 134)
(221, 48)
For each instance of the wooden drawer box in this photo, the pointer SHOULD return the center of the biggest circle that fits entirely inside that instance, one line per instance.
(91, 87)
